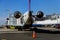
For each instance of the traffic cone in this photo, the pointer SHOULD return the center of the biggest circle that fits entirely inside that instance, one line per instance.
(34, 35)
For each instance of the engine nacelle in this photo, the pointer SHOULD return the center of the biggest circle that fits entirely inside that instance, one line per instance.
(17, 14)
(40, 14)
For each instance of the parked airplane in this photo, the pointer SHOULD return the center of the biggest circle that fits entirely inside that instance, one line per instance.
(48, 20)
(28, 20)
(21, 21)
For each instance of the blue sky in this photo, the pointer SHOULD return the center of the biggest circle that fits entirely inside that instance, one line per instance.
(47, 6)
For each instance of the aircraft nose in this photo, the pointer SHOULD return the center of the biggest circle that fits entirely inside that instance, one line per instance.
(30, 13)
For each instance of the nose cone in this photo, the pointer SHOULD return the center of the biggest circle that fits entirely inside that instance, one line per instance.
(30, 13)
(29, 20)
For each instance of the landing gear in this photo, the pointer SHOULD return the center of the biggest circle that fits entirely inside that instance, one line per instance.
(19, 28)
(7, 26)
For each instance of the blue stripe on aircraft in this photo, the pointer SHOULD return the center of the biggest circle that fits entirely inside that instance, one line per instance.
(40, 25)
(37, 25)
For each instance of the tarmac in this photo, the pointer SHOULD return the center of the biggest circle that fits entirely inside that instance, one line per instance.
(48, 28)
(47, 36)
(27, 35)
(16, 35)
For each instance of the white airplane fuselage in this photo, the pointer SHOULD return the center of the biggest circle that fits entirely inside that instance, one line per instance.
(47, 22)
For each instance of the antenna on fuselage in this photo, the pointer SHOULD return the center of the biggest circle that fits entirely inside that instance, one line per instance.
(29, 5)
(29, 8)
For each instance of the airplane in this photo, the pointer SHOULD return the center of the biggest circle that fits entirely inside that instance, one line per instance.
(28, 20)
(48, 20)
(21, 21)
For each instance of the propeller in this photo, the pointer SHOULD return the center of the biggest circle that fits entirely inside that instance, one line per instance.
(40, 14)
(17, 14)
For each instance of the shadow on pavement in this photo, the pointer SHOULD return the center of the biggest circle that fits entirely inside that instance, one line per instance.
(45, 31)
